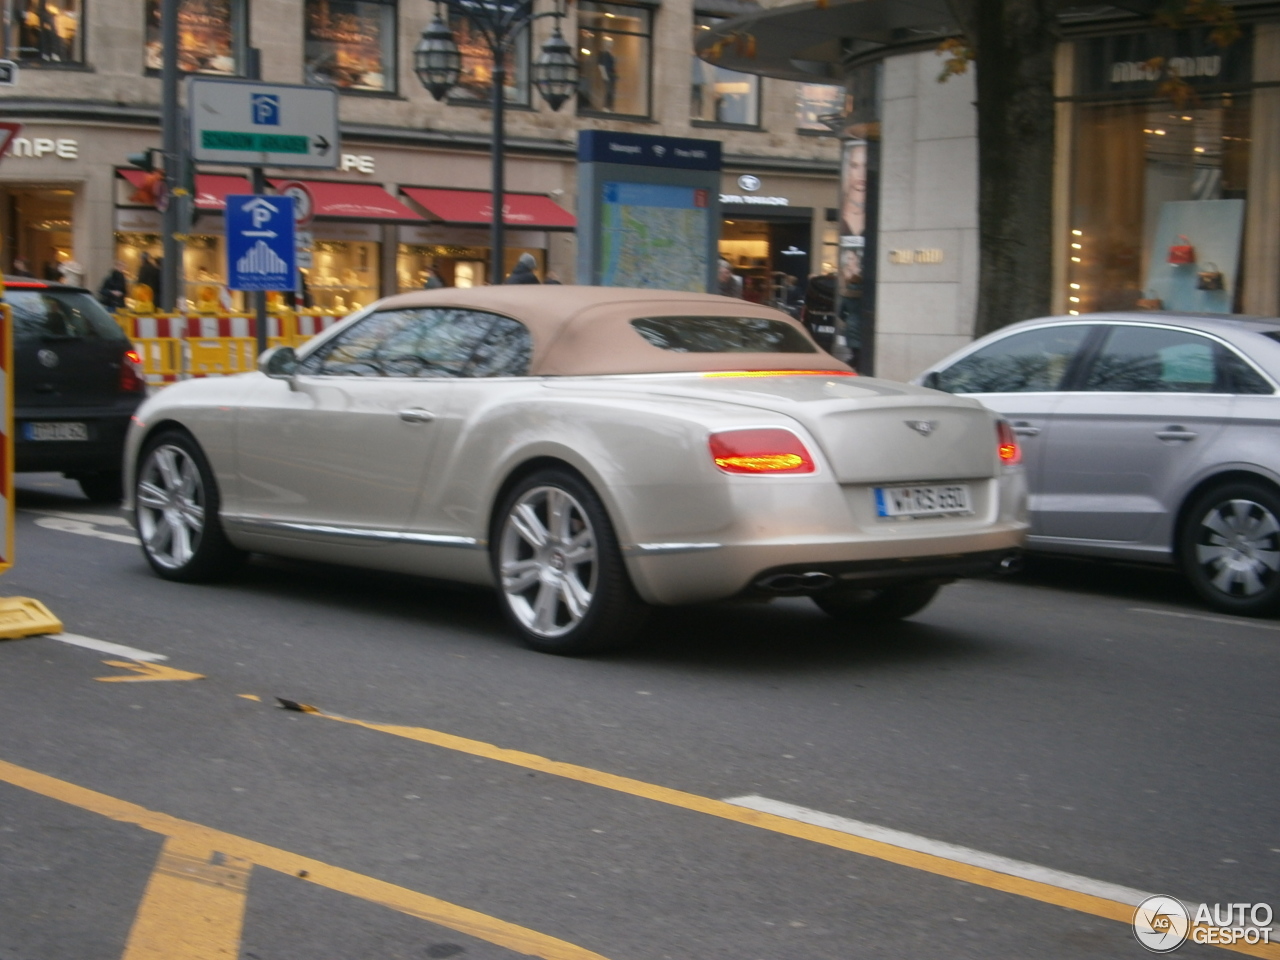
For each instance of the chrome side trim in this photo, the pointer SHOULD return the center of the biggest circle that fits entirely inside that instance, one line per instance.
(658, 549)
(358, 533)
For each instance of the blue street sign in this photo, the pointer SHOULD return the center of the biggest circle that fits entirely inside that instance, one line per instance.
(260, 246)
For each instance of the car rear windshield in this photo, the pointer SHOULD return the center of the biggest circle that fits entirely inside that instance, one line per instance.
(60, 315)
(723, 335)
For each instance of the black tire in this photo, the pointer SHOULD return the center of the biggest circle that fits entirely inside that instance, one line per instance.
(177, 503)
(1229, 548)
(102, 487)
(877, 606)
(571, 594)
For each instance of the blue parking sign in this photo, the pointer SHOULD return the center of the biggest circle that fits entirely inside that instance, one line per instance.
(260, 244)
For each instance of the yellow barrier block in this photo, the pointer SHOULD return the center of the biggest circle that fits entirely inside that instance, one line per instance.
(25, 617)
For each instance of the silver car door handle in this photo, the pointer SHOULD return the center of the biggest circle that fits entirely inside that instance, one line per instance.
(417, 415)
(1176, 433)
(1024, 429)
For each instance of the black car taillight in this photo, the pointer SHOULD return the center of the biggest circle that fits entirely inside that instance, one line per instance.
(132, 377)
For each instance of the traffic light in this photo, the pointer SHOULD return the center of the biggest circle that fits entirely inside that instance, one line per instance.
(151, 190)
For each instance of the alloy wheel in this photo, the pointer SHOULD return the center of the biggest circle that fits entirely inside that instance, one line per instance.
(1238, 548)
(548, 561)
(171, 506)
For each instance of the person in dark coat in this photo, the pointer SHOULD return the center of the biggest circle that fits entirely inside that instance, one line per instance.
(149, 273)
(20, 267)
(523, 272)
(434, 281)
(114, 288)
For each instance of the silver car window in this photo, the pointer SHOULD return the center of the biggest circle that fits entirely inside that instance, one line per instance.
(505, 352)
(1158, 360)
(1029, 362)
(413, 342)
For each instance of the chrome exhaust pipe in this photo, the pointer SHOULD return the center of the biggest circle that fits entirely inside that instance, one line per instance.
(1011, 564)
(810, 582)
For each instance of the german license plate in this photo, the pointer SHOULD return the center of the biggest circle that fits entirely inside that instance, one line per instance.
(67, 430)
(925, 501)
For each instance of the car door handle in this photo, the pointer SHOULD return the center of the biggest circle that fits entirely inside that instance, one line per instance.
(417, 415)
(1024, 429)
(1176, 433)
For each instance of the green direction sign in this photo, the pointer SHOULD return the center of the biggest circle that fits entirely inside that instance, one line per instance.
(257, 142)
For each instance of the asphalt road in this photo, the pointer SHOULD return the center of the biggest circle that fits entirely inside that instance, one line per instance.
(456, 795)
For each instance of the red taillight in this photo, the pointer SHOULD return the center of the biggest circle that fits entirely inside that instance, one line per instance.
(1007, 444)
(764, 450)
(132, 377)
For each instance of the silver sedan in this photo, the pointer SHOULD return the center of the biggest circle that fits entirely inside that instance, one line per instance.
(1150, 437)
(589, 452)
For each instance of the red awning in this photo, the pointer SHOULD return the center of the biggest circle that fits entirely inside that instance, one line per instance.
(354, 201)
(212, 189)
(135, 177)
(530, 210)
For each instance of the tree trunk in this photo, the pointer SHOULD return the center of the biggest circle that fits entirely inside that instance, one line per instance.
(1014, 42)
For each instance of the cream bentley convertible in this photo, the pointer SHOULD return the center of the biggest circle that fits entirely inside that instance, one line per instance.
(590, 452)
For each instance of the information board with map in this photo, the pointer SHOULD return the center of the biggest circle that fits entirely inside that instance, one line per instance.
(654, 235)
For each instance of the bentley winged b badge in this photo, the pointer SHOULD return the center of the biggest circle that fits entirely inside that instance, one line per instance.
(922, 427)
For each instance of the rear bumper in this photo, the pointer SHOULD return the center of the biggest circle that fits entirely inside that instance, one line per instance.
(102, 453)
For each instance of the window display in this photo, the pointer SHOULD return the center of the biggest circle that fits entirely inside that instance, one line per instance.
(718, 95)
(203, 281)
(614, 45)
(452, 265)
(345, 275)
(210, 36)
(815, 101)
(45, 31)
(475, 83)
(351, 44)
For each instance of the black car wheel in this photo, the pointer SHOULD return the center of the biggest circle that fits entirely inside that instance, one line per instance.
(1229, 548)
(106, 487)
(876, 606)
(177, 512)
(560, 573)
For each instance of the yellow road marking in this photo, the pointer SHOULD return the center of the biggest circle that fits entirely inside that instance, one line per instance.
(193, 908)
(147, 672)
(198, 836)
(926, 862)
(250, 696)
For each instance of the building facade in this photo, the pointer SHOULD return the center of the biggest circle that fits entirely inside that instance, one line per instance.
(410, 190)
(1163, 140)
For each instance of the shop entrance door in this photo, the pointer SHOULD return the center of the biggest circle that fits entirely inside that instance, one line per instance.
(39, 221)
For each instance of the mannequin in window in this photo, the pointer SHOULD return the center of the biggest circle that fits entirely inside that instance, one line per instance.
(609, 74)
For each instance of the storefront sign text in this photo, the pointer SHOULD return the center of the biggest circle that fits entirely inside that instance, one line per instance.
(360, 162)
(755, 201)
(926, 255)
(40, 147)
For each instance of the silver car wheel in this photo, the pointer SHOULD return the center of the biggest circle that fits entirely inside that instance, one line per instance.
(547, 561)
(1238, 548)
(171, 514)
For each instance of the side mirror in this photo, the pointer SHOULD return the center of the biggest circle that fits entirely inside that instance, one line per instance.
(279, 363)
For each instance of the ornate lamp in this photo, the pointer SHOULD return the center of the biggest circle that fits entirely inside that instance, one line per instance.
(555, 73)
(437, 60)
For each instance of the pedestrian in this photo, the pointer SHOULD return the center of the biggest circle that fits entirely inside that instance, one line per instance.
(728, 283)
(149, 275)
(114, 288)
(434, 281)
(523, 272)
(20, 267)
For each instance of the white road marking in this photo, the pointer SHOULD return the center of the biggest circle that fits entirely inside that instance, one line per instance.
(71, 523)
(101, 519)
(948, 851)
(106, 646)
(1234, 621)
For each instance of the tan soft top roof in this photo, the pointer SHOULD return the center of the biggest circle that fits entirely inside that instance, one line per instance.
(582, 331)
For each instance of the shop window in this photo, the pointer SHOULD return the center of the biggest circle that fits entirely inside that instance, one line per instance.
(45, 31)
(350, 44)
(475, 83)
(1144, 176)
(210, 36)
(345, 275)
(455, 265)
(614, 44)
(815, 101)
(719, 95)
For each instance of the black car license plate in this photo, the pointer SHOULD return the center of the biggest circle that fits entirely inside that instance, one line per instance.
(56, 430)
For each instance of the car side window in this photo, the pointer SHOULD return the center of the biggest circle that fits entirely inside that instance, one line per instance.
(411, 342)
(61, 315)
(1239, 376)
(1033, 361)
(505, 351)
(1156, 360)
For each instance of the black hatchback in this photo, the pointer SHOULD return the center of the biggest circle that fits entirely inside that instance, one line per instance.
(77, 381)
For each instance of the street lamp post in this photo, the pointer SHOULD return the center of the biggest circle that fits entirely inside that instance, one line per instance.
(438, 63)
